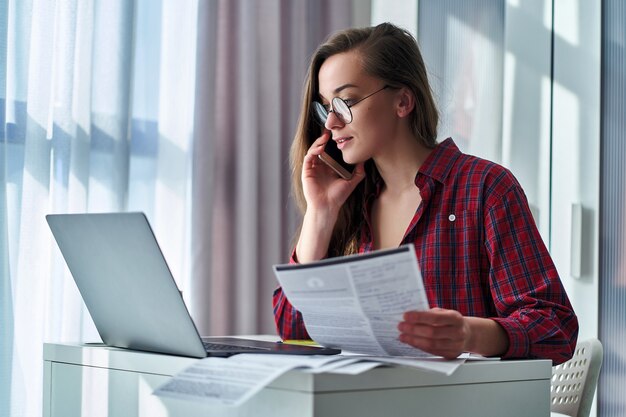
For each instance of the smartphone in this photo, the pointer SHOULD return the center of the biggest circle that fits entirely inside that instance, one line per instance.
(333, 158)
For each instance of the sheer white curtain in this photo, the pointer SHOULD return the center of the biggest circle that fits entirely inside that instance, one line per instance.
(182, 109)
(97, 115)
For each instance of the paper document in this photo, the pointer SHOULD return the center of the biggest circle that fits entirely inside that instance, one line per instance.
(356, 302)
(231, 381)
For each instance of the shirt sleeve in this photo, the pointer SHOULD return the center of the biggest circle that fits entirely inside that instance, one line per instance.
(289, 322)
(529, 297)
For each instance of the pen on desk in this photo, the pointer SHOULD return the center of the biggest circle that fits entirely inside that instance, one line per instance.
(300, 342)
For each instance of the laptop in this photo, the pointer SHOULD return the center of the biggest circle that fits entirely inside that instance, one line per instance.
(131, 294)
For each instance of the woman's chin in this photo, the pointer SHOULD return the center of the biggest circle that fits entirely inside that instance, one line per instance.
(350, 158)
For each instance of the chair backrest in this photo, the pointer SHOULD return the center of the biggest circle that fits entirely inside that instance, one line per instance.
(574, 382)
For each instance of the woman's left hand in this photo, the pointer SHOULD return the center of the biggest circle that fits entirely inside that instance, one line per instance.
(438, 331)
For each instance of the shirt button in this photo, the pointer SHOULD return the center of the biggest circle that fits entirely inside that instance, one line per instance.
(452, 217)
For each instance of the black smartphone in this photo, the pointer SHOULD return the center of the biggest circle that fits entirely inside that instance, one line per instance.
(333, 158)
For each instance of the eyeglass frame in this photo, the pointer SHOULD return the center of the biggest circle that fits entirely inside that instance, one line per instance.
(317, 107)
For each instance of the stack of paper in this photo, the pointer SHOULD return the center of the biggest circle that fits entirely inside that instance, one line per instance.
(231, 381)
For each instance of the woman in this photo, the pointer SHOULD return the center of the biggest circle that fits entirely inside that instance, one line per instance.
(486, 270)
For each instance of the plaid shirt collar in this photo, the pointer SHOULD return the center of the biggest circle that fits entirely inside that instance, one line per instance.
(440, 161)
(436, 166)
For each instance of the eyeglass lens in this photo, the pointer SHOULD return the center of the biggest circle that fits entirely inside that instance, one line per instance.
(320, 113)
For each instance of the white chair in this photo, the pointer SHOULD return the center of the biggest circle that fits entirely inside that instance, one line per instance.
(574, 382)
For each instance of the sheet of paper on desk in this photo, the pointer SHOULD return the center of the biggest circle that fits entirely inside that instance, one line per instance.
(434, 363)
(231, 381)
(363, 363)
(356, 302)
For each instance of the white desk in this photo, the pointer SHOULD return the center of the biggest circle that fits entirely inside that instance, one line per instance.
(96, 381)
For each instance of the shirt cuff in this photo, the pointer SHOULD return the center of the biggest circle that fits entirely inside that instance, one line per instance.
(519, 346)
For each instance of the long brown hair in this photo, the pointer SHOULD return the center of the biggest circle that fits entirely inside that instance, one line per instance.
(391, 54)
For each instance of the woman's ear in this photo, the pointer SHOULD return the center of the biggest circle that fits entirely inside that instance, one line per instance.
(406, 102)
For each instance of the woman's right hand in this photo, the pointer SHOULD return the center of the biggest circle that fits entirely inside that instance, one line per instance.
(325, 192)
(323, 189)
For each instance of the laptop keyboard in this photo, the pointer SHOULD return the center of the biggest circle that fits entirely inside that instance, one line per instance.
(219, 346)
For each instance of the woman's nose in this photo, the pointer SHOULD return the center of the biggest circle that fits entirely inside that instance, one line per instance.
(333, 121)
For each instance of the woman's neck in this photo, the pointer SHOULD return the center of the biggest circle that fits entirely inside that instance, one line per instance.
(400, 162)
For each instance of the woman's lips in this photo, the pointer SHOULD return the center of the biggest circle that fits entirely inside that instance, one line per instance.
(341, 142)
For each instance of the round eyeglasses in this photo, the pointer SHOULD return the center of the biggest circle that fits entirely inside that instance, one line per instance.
(340, 107)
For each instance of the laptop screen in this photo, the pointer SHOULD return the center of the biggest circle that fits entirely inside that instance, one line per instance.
(125, 282)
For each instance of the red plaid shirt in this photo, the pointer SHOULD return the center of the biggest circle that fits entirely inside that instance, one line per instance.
(481, 254)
